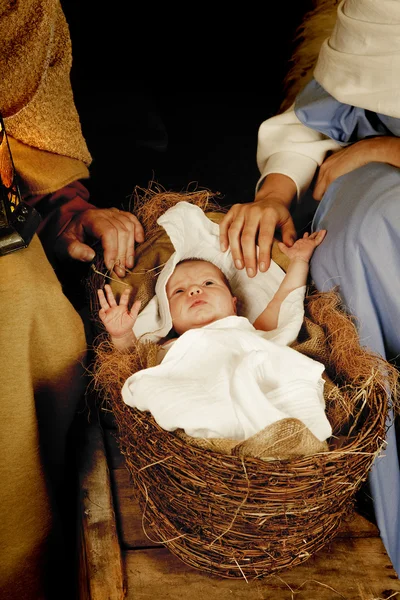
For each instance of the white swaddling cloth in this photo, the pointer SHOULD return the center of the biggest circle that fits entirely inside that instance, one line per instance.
(226, 380)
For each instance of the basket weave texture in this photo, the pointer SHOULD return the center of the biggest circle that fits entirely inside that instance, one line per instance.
(241, 517)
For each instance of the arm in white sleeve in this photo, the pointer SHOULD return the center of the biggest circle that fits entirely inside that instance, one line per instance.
(288, 147)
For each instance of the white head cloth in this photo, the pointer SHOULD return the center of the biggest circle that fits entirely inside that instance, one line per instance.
(359, 64)
(194, 235)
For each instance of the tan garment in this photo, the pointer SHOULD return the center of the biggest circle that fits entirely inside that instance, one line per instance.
(42, 346)
(42, 340)
(36, 99)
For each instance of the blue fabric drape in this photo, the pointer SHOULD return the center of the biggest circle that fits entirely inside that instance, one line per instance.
(361, 256)
(342, 122)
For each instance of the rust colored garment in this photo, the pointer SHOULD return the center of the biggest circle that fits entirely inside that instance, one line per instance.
(57, 210)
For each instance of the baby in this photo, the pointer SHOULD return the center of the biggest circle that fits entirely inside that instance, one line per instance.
(222, 376)
(199, 294)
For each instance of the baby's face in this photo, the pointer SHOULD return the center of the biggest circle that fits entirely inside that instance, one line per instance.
(198, 295)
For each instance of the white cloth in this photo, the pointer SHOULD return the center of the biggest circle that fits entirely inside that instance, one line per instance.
(194, 235)
(359, 64)
(228, 380)
(288, 147)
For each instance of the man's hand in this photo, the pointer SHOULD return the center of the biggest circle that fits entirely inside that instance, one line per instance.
(246, 225)
(117, 231)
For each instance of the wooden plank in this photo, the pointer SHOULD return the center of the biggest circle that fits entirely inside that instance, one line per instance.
(354, 566)
(357, 569)
(357, 526)
(114, 457)
(128, 513)
(100, 560)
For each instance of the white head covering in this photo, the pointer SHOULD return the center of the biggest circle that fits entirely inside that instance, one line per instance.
(194, 235)
(359, 64)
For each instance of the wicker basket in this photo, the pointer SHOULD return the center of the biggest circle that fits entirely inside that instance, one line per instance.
(237, 517)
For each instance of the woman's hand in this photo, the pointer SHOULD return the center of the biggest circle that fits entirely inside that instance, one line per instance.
(117, 318)
(376, 149)
(246, 225)
(117, 231)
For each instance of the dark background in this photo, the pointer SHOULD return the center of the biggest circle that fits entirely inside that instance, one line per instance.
(176, 95)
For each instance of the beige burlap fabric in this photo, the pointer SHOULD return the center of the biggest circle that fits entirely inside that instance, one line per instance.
(285, 439)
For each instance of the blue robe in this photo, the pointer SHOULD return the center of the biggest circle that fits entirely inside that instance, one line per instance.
(361, 255)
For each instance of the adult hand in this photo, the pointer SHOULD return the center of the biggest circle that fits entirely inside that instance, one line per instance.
(117, 231)
(377, 149)
(246, 225)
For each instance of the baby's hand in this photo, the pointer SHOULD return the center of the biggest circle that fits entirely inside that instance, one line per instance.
(304, 247)
(117, 318)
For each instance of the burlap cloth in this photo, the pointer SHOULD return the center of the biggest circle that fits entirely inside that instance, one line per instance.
(285, 439)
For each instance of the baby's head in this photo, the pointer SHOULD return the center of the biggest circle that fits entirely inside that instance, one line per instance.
(198, 294)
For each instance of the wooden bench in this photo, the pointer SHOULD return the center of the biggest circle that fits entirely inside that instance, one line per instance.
(117, 560)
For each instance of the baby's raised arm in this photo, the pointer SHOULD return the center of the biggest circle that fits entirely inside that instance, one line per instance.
(295, 277)
(117, 318)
